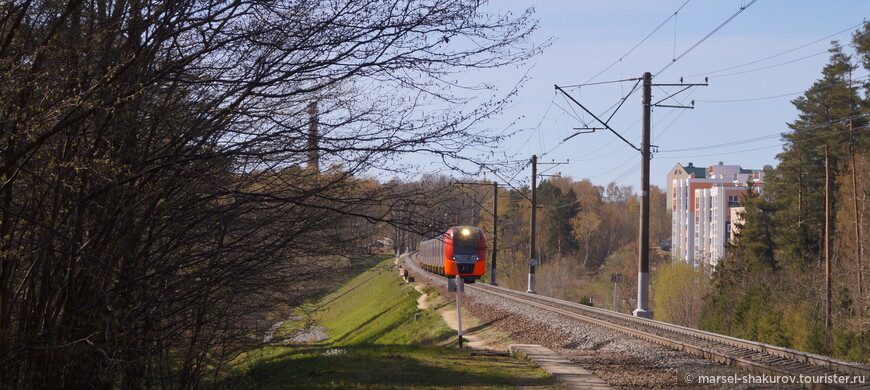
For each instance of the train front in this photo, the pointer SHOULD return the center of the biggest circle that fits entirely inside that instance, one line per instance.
(465, 253)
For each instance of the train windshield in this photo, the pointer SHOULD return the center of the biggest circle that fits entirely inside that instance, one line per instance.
(465, 241)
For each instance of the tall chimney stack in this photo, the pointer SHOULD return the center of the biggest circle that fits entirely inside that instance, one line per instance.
(313, 153)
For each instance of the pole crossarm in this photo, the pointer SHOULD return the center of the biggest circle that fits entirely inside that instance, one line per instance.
(471, 183)
(606, 126)
(686, 87)
(670, 106)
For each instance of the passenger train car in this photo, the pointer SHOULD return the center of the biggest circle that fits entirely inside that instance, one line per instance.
(461, 251)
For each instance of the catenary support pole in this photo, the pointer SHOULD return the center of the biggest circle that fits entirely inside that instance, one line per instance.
(643, 309)
(532, 253)
(494, 251)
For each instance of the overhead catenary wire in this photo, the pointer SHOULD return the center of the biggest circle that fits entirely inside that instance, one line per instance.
(591, 156)
(597, 119)
(617, 106)
(508, 183)
(775, 55)
(635, 167)
(687, 51)
(674, 59)
(601, 83)
(770, 66)
(779, 145)
(540, 122)
(639, 43)
(627, 173)
(831, 134)
(769, 136)
(615, 167)
(779, 96)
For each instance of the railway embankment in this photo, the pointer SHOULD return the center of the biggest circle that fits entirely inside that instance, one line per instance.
(377, 337)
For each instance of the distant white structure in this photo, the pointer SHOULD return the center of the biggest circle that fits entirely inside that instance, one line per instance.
(702, 201)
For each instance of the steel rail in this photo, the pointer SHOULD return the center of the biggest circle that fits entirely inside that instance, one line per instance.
(756, 357)
(759, 361)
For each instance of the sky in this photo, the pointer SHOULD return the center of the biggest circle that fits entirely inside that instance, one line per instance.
(767, 55)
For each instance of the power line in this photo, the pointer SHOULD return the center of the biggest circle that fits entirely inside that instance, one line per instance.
(590, 156)
(615, 107)
(600, 83)
(779, 96)
(597, 119)
(639, 43)
(722, 153)
(739, 11)
(616, 167)
(775, 55)
(538, 127)
(767, 147)
(627, 173)
(723, 145)
(668, 127)
(771, 66)
(767, 137)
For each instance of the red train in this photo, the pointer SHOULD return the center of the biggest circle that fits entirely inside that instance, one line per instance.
(461, 251)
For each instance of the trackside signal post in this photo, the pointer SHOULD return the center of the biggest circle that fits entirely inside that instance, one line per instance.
(460, 287)
(615, 278)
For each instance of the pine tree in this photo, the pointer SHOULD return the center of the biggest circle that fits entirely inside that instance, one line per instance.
(797, 186)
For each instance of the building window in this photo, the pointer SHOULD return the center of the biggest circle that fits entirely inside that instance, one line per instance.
(733, 201)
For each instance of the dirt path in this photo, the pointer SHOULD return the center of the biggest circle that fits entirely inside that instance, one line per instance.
(474, 338)
(423, 300)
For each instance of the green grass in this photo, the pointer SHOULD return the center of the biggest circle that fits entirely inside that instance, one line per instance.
(377, 342)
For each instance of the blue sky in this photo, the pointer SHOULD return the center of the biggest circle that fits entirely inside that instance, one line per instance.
(750, 108)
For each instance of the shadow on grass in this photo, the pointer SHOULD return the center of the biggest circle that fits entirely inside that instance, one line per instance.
(485, 325)
(385, 367)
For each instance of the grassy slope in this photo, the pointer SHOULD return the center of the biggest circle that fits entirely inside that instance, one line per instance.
(376, 342)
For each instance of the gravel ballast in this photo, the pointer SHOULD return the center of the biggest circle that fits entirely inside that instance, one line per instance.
(621, 360)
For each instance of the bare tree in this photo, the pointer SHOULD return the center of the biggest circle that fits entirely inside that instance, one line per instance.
(151, 191)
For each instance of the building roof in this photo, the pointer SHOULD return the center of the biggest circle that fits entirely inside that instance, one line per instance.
(698, 172)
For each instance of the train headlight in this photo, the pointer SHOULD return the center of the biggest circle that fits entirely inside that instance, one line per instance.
(466, 232)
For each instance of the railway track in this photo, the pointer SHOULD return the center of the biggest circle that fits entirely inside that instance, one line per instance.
(755, 357)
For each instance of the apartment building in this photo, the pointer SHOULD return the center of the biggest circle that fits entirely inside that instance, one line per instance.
(701, 200)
